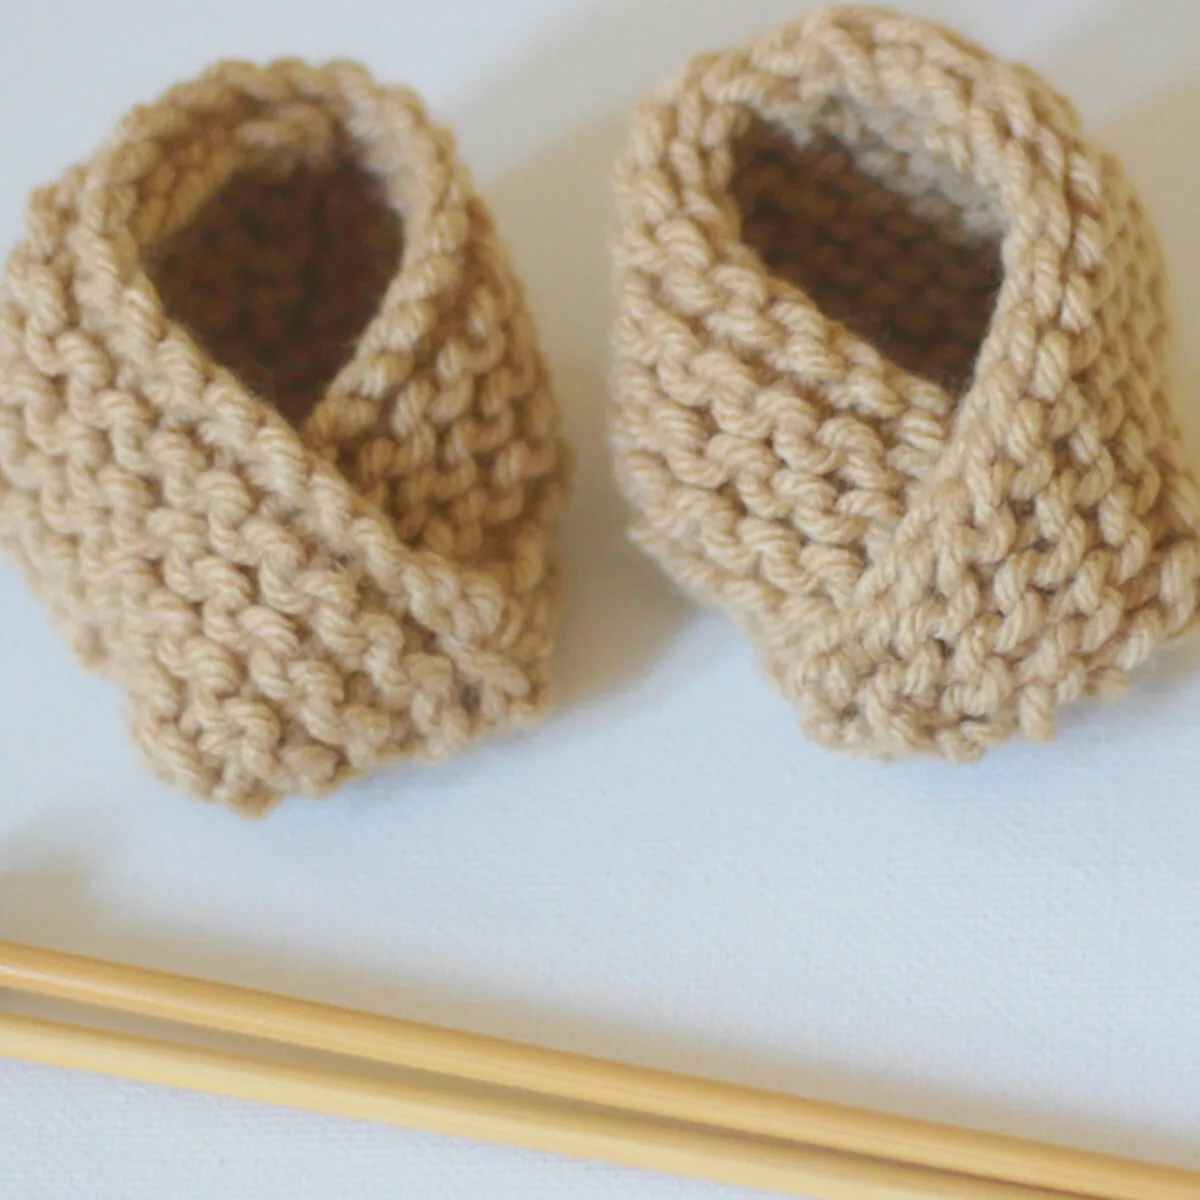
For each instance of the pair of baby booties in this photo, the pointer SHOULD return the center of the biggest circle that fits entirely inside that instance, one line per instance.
(279, 449)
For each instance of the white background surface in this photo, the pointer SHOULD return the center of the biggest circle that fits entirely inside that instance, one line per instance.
(665, 871)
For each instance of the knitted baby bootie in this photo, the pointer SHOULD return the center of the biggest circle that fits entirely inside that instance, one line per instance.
(277, 444)
(890, 382)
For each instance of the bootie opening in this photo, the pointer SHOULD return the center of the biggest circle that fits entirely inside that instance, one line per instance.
(278, 274)
(903, 254)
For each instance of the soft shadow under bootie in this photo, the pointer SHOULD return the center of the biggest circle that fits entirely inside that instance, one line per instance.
(890, 382)
(277, 444)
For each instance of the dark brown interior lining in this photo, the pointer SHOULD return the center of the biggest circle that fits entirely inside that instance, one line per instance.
(277, 276)
(898, 264)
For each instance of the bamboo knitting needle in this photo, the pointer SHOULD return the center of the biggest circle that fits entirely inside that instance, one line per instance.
(580, 1080)
(511, 1119)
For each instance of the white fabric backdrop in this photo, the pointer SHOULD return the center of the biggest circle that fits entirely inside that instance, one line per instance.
(665, 871)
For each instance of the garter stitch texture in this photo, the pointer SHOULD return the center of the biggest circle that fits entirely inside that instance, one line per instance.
(890, 382)
(277, 444)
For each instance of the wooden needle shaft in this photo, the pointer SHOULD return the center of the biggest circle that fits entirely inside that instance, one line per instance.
(504, 1118)
(582, 1080)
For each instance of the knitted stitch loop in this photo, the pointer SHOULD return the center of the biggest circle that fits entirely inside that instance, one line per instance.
(277, 444)
(890, 382)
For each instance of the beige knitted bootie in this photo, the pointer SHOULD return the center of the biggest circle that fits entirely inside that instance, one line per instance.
(890, 382)
(277, 444)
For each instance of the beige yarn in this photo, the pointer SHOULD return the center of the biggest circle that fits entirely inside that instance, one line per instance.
(890, 382)
(287, 604)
